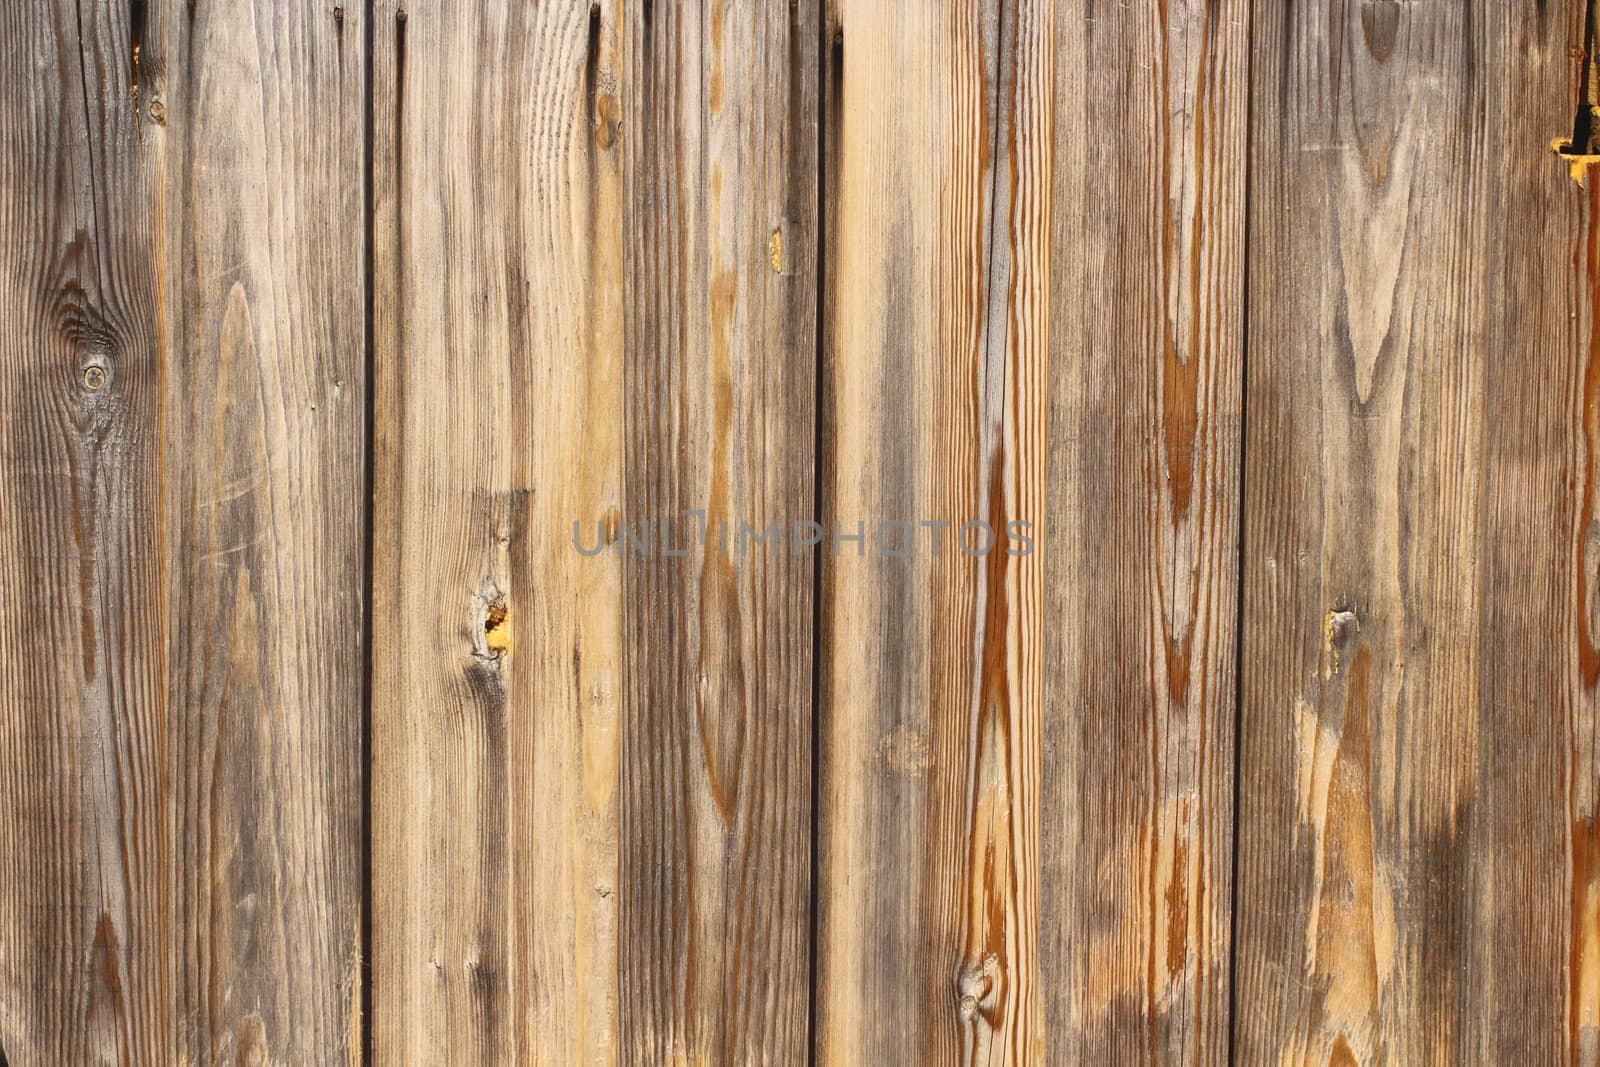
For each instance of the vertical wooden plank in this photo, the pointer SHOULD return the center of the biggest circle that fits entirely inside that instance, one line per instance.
(594, 306)
(938, 177)
(497, 668)
(1141, 537)
(83, 971)
(719, 374)
(1533, 882)
(183, 479)
(262, 108)
(1381, 724)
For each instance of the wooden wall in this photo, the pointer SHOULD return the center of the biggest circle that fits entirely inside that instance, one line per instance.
(324, 740)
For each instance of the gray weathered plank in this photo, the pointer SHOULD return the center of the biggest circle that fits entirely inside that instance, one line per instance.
(83, 972)
(1528, 882)
(260, 109)
(718, 368)
(180, 669)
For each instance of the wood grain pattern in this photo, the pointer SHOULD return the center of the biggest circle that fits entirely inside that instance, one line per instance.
(184, 475)
(1147, 346)
(1279, 324)
(261, 110)
(1529, 878)
(497, 665)
(935, 401)
(83, 930)
(595, 306)
(719, 313)
(1380, 727)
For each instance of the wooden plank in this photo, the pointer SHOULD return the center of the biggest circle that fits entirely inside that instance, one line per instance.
(260, 109)
(1532, 877)
(719, 372)
(937, 127)
(496, 663)
(180, 670)
(1146, 357)
(1120, 257)
(595, 303)
(1417, 769)
(83, 972)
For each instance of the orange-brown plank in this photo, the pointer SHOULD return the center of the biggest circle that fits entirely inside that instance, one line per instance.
(937, 171)
(1033, 311)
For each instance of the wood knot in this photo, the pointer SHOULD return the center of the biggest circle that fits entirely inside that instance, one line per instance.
(490, 630)
(497, 628)
(977, 987)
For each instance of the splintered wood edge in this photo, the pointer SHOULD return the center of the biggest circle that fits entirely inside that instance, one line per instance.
(1577, 165)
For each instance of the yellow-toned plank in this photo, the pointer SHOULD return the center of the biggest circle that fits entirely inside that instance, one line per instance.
(591, 772)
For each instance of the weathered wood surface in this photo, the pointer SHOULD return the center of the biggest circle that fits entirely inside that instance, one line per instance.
(497, 664)
(1365, 434)
(719, 313)
(260, 109)
(180, 628)
(935, 375)
(1070, 901)
(1321, 485)
(1146, 326)
(595, 304)
(1521, 873)
(84, 975)
(1417, 768)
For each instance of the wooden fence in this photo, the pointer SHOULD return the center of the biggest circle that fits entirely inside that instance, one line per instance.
(1262, 338)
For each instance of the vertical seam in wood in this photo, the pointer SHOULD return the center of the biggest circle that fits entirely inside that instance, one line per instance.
(829, 49)
(824, 74)
(369, 224)
(1239, 563)
(88, 147)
